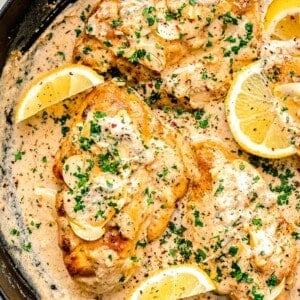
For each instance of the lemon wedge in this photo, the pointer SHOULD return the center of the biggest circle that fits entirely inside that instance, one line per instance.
(282, 20)
(55, 86)
(255, 116)
(174, 283)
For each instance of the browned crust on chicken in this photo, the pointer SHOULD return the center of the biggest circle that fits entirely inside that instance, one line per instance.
(106, 261)
(256, 269)
(215, 39)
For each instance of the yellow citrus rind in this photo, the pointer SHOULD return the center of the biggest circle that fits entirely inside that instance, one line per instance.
(254, 115)
(174, 283)
(282, 20)
(54, 86)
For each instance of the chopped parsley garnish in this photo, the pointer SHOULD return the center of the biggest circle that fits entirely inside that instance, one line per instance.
(137, 56)
(162, 174)
(107, 44)
(148, 13)
(242, 166)
(204, 123)
(82, 179)
(220, 188)
(116, 23)
(198, 114)
(200, 255)
(64, 130)
(184, 247)
(233, 250)
(86, 50)
(285, 188)
(158, 83)
(85, 143)
(219, 275)
(153, 98)
(149, 195)
(134, 259)
(79, 203)
(198, 222)
(62, 55)
(110, 162)
(238, 274)
(141, 243)
(230, 39)
(296, 235)
(95, 129)
(257, 222)
(62, 120)
(256, 295)
(15, 232)
(77, 32)
(27, 247)
(100, 214)
(19, 80)
(272, 281)
(18, 155)
(99, 115)
(178, 231)
(249, 31)
(228, 18)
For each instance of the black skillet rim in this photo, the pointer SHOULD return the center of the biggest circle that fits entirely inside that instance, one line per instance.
(21, 23)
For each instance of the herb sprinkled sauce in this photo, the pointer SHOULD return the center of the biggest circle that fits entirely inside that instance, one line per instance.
(237, 217)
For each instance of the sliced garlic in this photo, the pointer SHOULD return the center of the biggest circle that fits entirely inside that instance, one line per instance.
(260, 262)
(254, 241)
(46, 193)
(154, 58)
(181, 83)
(76, 164)
(108, 182)
(261, 242)
(291, 89)
(86, 231)
(276, 291)
(168, 30)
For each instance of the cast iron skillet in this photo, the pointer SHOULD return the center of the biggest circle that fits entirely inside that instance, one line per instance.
(21, 23)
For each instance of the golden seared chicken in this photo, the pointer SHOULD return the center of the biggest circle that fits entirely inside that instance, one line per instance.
(227, 223)
(236, 229)
(122, 174)
(184, 50)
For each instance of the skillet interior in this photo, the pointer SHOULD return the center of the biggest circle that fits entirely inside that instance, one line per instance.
(21, 23)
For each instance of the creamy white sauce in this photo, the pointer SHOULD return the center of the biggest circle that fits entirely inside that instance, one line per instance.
(28, 218)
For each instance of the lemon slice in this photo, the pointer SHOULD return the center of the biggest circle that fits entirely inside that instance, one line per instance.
(255, 117)
(174, 283)
(55, 86)
(282, 19)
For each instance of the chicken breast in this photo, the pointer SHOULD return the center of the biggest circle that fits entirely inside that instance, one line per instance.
(182, 50)
(229, 225)
(122, 174)
(137, 196)
(237, 229)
